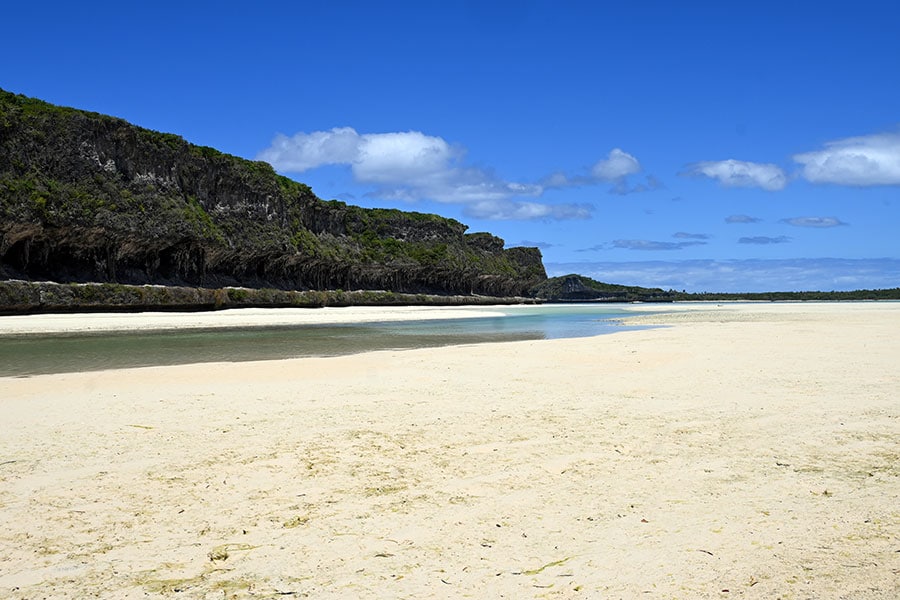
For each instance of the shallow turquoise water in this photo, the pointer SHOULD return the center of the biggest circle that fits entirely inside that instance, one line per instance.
(29, 355)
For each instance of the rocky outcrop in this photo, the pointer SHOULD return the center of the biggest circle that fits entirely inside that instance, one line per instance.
(29, 297)
(578, 288)
(90, 198)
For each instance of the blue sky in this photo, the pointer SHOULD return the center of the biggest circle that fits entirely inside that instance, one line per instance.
(707, 146)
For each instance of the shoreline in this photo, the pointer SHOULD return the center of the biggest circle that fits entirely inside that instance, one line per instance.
(747, 450)
(229, 318)
(149, 321)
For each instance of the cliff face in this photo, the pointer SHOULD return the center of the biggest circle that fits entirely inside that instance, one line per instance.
(87, 197)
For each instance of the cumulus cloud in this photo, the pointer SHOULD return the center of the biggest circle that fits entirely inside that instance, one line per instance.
(410, 155)
(742, 219)
(653, 245)
(617, 165)
(814, 222)
(739, 173)
(412, 166)
(307, 151)
(764, 240)
(683, 235)
(859, 161)
(614, 169)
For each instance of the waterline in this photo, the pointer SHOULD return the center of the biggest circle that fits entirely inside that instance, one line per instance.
(22, 355)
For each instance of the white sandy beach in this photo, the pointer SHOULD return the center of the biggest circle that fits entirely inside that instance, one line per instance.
(747, 450)
(237, 317)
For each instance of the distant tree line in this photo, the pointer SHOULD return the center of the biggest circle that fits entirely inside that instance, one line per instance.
(579, 288)
(857, 295)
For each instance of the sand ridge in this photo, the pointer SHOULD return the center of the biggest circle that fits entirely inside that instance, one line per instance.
(232, 317)
(742, 451)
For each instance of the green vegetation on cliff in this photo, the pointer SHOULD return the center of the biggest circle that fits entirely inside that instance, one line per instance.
(578, 288)
(88, 197)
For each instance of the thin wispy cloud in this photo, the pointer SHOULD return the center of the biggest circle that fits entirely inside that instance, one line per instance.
(623, 187)
(742, 219)
(857, 161)
(511, 210)
(596, 248)
(533, 244)
(683, 235)
(820, 222)
(653, 245)
(763, 240)
(741, 174)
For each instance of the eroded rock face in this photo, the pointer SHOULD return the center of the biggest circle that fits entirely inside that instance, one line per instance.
(87, 197)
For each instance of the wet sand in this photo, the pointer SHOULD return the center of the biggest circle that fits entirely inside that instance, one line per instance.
(740, 451)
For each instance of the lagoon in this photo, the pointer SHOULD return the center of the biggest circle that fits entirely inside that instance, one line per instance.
(32, 354)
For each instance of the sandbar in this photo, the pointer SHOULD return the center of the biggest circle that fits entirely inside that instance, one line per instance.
(231, 318)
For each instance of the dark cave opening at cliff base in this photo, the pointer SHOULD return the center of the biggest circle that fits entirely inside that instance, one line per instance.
(41, 260)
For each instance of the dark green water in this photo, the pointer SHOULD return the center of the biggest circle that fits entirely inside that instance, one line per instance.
(31, 354)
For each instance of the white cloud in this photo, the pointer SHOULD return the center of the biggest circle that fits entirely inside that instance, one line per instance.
(860, 161)
(406, 156)
(617, 165)
(412, 166)
(374, 157)
(615, 168)
(307, 151)
(739, 173)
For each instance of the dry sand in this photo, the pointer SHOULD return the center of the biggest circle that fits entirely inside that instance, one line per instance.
(746, 451)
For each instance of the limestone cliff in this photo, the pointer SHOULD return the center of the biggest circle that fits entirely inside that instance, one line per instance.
(88, 197)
